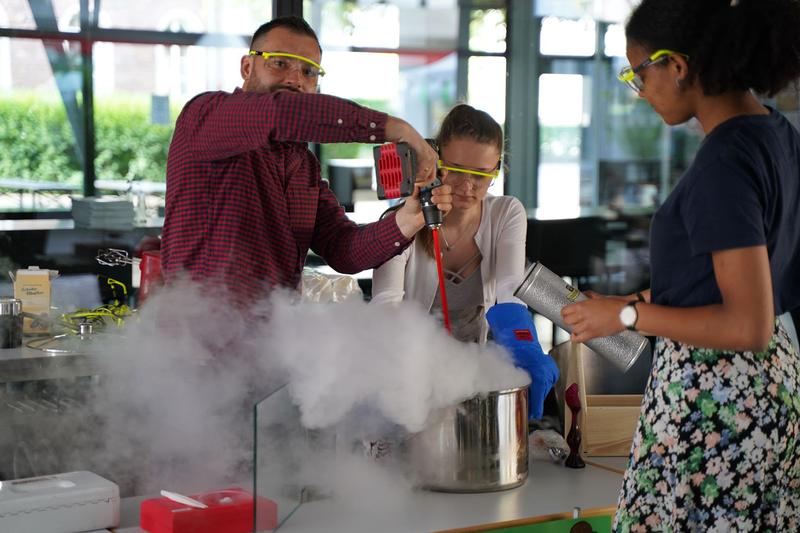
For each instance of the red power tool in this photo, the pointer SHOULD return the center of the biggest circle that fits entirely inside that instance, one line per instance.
(396, 169)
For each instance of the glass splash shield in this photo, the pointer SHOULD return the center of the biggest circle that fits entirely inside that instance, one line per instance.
(284, 457)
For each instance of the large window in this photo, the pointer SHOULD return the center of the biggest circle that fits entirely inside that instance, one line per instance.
(233, 17)
(27, 15)
(145, 59)
(599, 144)
(583, 139)
(41, 129)
(410, 59)
(415, 60)
(5, 55)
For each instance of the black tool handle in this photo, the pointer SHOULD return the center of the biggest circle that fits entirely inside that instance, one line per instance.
(431, 213)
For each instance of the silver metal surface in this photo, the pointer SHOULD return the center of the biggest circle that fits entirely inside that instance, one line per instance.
(85, 328)
(547, 293)
(10, 306)
(479, 445)
(10, 323)
(64, 344)
(28, 364)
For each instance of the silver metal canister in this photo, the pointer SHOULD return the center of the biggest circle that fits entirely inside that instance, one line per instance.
(479, 445)
(547, 293)
(10, 322)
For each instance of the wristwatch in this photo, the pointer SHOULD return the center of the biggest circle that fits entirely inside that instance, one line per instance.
(628, 315)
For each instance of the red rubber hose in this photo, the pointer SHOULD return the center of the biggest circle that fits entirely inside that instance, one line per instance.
(437, 251)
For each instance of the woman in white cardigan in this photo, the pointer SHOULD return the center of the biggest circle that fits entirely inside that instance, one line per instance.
(483, 236)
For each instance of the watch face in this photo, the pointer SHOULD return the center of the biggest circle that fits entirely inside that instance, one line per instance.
(628, 316)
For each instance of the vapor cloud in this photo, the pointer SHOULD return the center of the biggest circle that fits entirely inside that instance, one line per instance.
(173, 407)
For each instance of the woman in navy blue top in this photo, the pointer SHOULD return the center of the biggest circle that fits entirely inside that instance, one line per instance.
(716, 448)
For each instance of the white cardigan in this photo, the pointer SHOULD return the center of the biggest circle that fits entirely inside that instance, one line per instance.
(501, 241)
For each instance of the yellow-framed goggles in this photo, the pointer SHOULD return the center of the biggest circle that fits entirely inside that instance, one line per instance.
(493, 174)
(630, 75)
(310, 68)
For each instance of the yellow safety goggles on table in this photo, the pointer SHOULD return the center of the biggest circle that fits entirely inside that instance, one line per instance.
(280, 62)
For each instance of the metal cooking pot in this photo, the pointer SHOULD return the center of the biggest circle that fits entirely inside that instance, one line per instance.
(479, 445)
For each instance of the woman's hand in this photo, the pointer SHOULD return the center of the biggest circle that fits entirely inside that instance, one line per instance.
(409, 217)
(596, 317)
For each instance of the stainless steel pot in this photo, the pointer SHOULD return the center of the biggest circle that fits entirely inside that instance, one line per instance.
(479, 445)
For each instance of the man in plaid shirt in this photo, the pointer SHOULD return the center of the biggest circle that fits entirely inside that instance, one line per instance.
(245, 200)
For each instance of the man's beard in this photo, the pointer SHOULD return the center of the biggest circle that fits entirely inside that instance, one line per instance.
(276, 88)
(256, 86)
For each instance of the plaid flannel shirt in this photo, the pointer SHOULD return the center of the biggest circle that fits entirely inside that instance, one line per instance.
(245, 200)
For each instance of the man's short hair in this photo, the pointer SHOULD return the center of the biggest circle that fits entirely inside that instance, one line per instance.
(291, 22)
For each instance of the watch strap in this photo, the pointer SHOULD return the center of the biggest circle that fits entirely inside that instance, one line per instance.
(632, 304)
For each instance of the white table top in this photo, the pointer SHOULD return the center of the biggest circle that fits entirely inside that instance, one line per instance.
(550, 489)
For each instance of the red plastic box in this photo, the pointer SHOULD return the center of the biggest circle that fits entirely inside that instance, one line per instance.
(229, 511)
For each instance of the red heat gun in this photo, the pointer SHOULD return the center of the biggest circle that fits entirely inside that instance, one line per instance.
(396, 170)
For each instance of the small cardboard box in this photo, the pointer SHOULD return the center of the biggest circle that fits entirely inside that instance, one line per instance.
(607, 421)
(33, 286)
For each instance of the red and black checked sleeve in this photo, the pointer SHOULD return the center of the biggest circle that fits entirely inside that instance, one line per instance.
(347, 247)
(220, 125)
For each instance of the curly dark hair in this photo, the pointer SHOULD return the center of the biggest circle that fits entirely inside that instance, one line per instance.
(733, 45)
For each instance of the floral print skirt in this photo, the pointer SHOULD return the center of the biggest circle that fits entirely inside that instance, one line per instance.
(716, 447)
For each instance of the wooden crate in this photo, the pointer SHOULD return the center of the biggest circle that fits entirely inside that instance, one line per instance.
(607, 421)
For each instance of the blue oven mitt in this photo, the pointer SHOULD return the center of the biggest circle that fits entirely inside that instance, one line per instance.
(512, 328)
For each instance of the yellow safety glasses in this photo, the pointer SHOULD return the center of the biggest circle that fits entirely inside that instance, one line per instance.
(478, 173)
(280, 62)
(630, 75)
